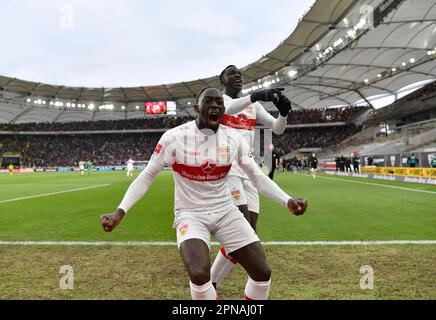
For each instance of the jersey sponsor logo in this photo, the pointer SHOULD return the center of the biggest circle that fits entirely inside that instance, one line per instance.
(158, 149)
(208, 171)
(208, 166)
(239, 122)
(194, 153)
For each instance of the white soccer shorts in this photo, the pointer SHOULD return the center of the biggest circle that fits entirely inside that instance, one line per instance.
(244, 192)
(229, 227)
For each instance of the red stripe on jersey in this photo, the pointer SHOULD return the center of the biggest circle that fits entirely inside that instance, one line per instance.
(239, 122)
(204, 173)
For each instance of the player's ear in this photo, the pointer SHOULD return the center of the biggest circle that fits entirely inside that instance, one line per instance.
(197, 108)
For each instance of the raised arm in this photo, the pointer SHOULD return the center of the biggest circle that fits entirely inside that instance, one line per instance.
(278, 125)
(234, 106)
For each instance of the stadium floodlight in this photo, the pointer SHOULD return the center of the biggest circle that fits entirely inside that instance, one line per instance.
(352, 34)
(366, 81)
(123, 108)
(412, 60)
(73, 105)
(278, 79)
(292, 73)
(338, 42)
(137, 107)
(68, 104)
(91, 106)
(189, 103)
(394, 69)
(51, 103)
(429, 53)
(379, 75)
(29, 100)
(404, 64)
(44, 102)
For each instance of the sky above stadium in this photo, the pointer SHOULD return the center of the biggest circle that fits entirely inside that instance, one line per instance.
(130, 43)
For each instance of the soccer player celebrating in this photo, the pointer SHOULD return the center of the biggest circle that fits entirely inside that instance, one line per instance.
(244, 193)
(201, 153)
(130, 163)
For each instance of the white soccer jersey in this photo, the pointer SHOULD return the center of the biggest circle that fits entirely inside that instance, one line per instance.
(200, 164)
(82, 165)
(245, 122)
(130, 163)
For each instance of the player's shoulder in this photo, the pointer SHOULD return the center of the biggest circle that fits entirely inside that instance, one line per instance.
(180, 129)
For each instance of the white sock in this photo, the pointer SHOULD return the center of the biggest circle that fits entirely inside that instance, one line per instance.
(257, 290)
(221, 267)
(204, 292)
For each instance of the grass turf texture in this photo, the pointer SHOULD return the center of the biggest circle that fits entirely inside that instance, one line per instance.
(338, 211)
(400, 272)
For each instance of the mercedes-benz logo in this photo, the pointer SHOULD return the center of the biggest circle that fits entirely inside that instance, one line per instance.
(208, 166)
(243, 118)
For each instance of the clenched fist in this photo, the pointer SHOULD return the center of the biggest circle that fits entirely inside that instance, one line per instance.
(111, 221)
(297, 206)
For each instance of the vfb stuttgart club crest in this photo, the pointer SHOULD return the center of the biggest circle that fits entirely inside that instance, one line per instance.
(208, 166)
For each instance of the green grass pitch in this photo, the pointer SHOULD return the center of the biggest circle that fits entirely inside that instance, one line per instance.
(339, 210)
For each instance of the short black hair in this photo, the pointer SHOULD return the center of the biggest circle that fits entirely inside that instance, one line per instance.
(225, 69)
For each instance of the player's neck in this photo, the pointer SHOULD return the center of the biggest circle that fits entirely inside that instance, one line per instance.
(201, 126)
(232, 93)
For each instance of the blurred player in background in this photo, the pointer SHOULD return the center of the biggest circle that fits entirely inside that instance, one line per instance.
(130, 163)
(202, 203)
(11, 169)
(313, 163)
(82, 167)
(275, 160)
(89, 166)
(244, 193)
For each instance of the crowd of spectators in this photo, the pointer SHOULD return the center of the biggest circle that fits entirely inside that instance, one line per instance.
(68, 150)
(322, 137)
(129, 124)
(116, 148)
(295, 117)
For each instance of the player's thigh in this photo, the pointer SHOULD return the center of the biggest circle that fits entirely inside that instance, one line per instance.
(193, 240)
(195, 256)
(233, 231)
(236, 186)
(252, 196)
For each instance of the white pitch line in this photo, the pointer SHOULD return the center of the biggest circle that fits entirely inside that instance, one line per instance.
(378, 185)
(270, 243)
(53, 193)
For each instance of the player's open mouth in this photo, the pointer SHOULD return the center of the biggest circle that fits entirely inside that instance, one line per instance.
(238, 82)
(214, 116)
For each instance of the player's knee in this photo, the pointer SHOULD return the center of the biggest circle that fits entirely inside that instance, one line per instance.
(262, 273)
(199, 275)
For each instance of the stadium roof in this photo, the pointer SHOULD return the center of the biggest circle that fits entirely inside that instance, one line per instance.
(342, 51)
